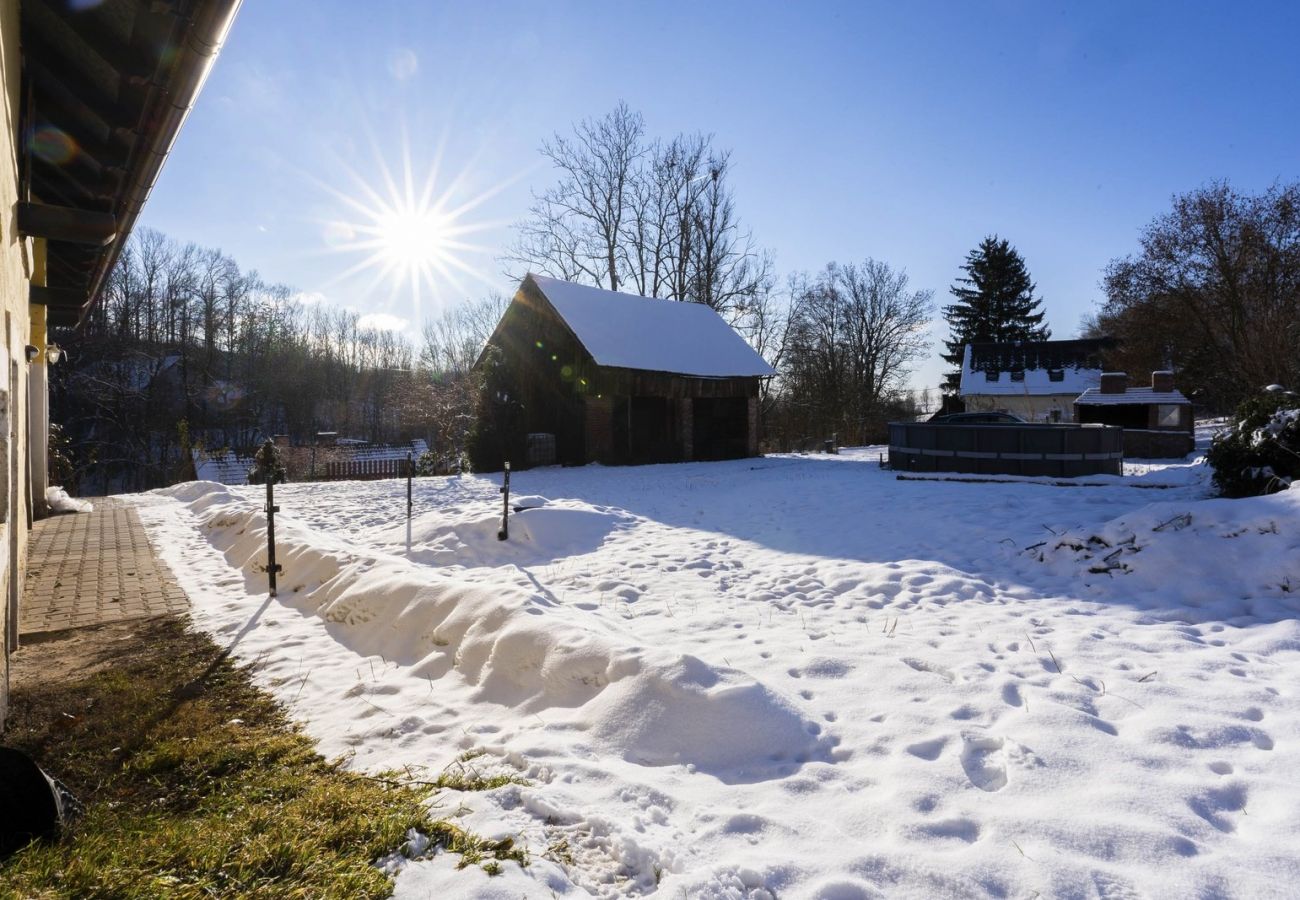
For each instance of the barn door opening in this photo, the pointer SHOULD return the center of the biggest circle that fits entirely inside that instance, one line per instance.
(645, 430)
(721, 427)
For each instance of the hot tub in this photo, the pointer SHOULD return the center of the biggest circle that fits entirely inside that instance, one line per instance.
(1060, 451)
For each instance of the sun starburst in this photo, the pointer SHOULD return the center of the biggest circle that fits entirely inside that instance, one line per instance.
(408, 232)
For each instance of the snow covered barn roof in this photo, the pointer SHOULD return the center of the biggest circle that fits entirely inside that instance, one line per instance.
(1034, 368)
(1140, 396)
(630, 332)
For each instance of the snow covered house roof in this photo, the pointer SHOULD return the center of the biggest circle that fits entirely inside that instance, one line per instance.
(1141, 396)
(367, 451)
(1033, 368)
(223, 468)
(630, 332)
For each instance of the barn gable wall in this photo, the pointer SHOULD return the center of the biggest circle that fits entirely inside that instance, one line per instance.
(594, 410)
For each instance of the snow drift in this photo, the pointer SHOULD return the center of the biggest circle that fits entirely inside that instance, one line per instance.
(800, 678)
(1202, 560)
(518, 649)
(61, 502)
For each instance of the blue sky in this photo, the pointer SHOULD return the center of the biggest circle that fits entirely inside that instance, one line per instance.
(902, 131)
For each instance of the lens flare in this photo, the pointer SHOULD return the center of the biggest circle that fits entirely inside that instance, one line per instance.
(53, 145)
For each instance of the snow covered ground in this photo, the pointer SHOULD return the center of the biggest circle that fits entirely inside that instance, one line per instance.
(793, 677)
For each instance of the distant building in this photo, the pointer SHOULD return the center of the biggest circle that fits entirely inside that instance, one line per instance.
(1036, 380)
(223, 466)
(1157, 419)
(577, 374)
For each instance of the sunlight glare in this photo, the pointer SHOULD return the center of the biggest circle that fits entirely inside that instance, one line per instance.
(407, 231)
(412, 236)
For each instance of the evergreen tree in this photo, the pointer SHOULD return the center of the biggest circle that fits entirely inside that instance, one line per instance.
(995, 302)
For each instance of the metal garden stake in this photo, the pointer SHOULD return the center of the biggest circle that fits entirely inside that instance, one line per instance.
(410, 472)
(504, 531)
(271, 509)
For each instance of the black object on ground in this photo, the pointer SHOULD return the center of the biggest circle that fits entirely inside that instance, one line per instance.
(32, 804)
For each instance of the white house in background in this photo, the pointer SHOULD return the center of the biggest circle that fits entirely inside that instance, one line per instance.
(1036, 380)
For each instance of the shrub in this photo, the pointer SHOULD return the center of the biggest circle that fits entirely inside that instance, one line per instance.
(431, 463)
(267, 465)
(1260, 453)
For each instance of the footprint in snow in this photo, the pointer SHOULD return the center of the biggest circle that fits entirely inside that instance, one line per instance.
(1216, 805)
(921, 665)
(1112, 887)
(984, 761)
(967, 830)
(927, 750)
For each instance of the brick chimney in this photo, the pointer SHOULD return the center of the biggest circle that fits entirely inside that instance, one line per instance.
(1114, 382)
(1162, 382)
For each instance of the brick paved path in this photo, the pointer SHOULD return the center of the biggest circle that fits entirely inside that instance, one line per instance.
(91, 568)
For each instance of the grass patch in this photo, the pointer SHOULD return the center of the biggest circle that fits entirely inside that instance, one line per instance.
(463, 775)
(196, 784)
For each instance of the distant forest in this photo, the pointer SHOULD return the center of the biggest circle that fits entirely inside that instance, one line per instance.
(186, 350)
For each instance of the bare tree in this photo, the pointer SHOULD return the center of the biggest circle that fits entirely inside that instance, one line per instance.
(575, 227)
(853, 334)
(452, 342)
(187, 350)
(1214, 291)
(659, 218)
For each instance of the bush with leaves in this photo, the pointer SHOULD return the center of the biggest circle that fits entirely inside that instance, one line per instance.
(1260, 452)
(268, 465)
(431, 463)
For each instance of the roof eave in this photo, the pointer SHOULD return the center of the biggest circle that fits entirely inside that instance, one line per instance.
(124, 122)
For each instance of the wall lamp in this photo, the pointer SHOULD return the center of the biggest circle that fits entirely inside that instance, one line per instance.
(53, 353)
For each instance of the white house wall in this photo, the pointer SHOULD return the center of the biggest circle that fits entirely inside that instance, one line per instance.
(1032, 408)
(15, 271)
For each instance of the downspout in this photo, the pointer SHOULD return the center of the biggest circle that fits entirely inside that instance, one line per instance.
(173, 99)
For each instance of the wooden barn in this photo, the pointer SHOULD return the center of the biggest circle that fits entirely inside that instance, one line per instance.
(575, 374)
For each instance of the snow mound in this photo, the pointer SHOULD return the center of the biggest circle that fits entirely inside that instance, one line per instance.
(381, 606)
(519, 649)
(1225, 558)
(543, 532)
(189, 492)
(59, 501)
(710, 717)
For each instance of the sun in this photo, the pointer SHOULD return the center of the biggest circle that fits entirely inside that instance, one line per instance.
(409, 238)
(406, 232)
